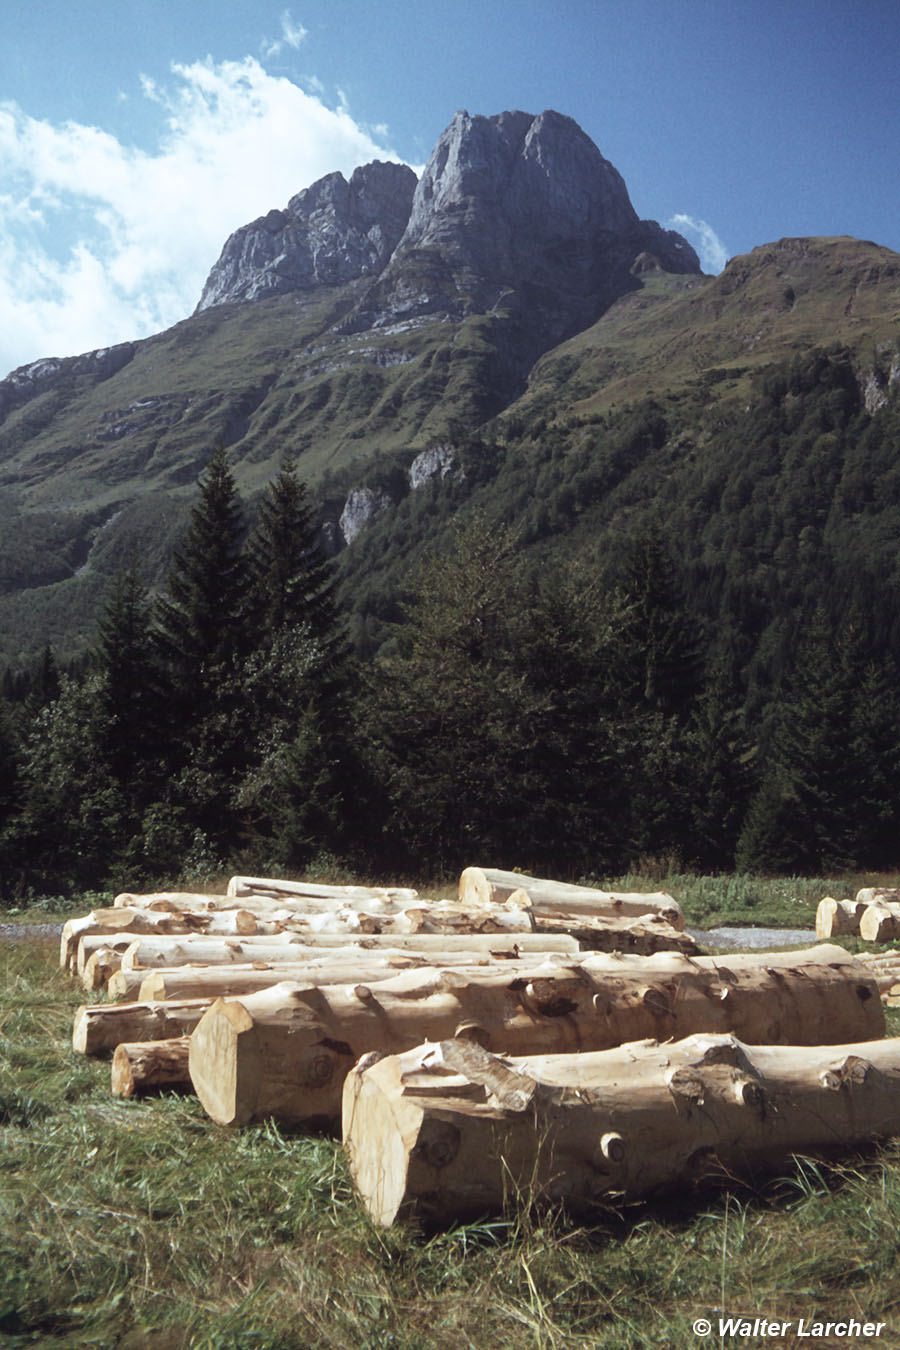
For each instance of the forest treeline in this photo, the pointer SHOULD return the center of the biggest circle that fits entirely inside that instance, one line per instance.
(555, 715)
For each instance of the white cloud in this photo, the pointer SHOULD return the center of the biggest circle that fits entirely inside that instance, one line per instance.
(101, 241)
(712, 252)
(292, 35)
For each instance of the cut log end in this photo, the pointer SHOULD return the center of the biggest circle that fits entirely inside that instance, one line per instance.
(142, 1067)
(226, 1037)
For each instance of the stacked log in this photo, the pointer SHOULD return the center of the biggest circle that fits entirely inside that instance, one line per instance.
(142, 1067)
(874, 916)
(450, 1131)
(880, 922)
(838, 918)
(284, 1052)
(560, 900)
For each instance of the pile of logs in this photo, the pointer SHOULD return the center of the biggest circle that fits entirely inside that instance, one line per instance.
(635, 1062)
(873, 916)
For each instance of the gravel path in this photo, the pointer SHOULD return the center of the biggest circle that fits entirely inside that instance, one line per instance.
(9, 932)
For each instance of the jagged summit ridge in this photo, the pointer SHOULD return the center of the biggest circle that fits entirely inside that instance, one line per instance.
(514, 202)
(332, 232)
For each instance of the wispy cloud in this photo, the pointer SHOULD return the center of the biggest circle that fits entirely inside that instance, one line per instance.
(711, 251)
(101, 241)
(293, 35)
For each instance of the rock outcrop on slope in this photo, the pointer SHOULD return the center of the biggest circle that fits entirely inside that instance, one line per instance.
(332, 232)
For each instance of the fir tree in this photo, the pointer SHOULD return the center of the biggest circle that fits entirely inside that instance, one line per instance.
(200, 632)
(290, 581)
(130, 696)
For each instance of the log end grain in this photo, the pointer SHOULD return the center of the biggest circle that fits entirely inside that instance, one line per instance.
(225, 1063)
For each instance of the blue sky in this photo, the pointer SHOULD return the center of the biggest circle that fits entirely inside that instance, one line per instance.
(135, 135)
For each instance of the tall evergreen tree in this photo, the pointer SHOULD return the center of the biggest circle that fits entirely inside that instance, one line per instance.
(291, 793)
(201, 638)
(125, 656)
(659, 671)
(289, 579)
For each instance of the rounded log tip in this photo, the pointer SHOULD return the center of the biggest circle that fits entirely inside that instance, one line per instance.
(377, 1151)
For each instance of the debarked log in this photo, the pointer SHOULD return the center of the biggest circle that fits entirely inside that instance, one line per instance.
(642, 936)
(451, 1132)
(162, 1011)
(870, 895)
(276, 886)
(103, 925)
(322, 966)
(146, 954)
(99, 1027)
(558, 899)
(142, 1067)
(880, 922)
(835, 918)
(284, 1052)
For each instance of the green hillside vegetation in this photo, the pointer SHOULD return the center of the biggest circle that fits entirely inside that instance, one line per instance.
(618, 628)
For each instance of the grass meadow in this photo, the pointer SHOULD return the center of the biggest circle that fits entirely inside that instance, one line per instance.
(142, 1225)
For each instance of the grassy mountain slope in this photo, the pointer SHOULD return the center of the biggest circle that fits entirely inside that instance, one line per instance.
(659, 402)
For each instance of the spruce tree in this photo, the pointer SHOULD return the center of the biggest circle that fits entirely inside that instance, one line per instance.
(200, 633)
(292, 790)
(289, 578)
(125, 656)
(827, 753)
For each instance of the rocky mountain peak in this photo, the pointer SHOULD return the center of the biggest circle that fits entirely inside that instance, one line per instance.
(332, 232)
(518, 214)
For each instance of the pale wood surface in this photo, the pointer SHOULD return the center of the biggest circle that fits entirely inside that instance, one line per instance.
(284, 1051)
(488, 885)
(452, 1132)
(142, 1067)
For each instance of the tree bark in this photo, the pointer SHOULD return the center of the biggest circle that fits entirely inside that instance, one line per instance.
(142, 1067)
(452, 1132)
(558, 899)
(285, 1051)
(837, 917)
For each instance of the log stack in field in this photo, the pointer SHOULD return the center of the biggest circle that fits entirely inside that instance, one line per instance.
(527, 1033)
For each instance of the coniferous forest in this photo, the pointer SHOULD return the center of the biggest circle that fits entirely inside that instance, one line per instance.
(714, 682)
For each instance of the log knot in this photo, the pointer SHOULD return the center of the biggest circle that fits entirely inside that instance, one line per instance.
(438, 1143)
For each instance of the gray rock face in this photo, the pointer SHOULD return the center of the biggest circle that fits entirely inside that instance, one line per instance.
(520, 216)
(331, 233)
(363, 505)
(437, 462)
